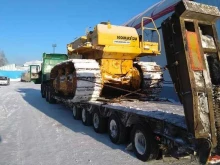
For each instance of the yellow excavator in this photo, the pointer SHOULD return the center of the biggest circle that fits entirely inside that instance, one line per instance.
(107, 58)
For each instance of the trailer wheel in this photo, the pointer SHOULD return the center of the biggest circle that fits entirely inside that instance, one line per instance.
(76, 112)
(99, 122)
(145, 146)
(116, 130)
(51, 100)
(43, 91)
(86, 117)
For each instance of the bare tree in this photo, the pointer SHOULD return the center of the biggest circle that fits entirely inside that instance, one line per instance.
(3, 59)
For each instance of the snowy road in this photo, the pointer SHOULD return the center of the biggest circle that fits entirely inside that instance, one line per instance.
(33, 131)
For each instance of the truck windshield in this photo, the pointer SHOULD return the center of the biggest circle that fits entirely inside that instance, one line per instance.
(50, 63)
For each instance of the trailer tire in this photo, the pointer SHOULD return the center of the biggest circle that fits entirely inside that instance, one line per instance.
(99, 123)
(86, 117)
(77, 112)
(116, 130)
(43, 95)
(149, 148)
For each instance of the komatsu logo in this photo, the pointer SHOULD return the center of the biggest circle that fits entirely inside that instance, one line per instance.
(126, 38)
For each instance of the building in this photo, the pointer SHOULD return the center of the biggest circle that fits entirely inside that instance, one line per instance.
(15, 72)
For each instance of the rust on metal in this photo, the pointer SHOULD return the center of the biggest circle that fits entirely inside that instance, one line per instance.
(194, 51)
(193, 46)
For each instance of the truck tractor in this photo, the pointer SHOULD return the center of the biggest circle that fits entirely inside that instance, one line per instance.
(49, 61)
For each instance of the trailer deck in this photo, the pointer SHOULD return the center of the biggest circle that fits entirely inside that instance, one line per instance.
(172, 113)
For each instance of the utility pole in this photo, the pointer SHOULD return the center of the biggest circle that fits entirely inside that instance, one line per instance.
(54, 46)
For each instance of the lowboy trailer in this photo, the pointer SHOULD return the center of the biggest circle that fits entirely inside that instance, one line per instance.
(157, 127)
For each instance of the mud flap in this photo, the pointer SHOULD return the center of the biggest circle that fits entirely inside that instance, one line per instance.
(204, 151)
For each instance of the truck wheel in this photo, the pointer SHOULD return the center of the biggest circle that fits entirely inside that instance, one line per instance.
(86, 117)
(99, 122)
(43, 91)
(145, 146)
(46, 93)
(51, 100)
(76, 112)
(116, 130)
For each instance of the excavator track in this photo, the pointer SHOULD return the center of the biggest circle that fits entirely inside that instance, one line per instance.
(152, 79)
(87, 83)
(88, 77)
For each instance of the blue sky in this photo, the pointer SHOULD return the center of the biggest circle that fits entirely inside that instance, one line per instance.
(30, 27)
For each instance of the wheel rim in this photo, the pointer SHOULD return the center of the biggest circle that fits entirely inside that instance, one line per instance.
(83, 115)
(140, 142)
(113, 128)
(96, 120)
(74, 110)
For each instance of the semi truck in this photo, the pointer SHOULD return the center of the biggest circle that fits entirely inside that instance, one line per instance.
(49, 61)
(103, 82)
(33, 74)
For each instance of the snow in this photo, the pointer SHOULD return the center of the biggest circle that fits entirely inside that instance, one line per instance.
(33, 131)
(172, 113)
(15, 79)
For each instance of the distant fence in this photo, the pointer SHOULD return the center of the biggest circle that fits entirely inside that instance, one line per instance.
(11, 74)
